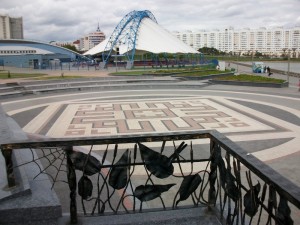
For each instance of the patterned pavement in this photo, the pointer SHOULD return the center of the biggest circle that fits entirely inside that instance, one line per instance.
(117, 118)
(240, 119)
(266, 125)
(265, 122)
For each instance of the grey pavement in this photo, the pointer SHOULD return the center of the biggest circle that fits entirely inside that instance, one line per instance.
(283, 97)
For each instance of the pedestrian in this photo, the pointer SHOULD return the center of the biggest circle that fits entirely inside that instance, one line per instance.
(269, 71)
(265, 68)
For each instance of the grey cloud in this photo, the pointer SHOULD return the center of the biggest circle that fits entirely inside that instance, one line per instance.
(71, 19)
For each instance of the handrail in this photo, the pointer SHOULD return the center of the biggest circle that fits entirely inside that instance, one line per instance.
(220, 180)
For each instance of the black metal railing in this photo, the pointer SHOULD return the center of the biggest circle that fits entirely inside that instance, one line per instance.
(126, 174)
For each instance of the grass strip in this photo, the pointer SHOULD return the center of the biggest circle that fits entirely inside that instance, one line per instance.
(6, 75)
(251, 78)
(165, 72)
(59, 77)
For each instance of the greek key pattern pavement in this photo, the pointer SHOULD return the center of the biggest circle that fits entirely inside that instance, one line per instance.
(133, 113)
(113, 118)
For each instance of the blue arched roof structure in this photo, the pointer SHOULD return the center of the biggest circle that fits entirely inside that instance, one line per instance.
(126, 32)
(9, 45)
(16, 52)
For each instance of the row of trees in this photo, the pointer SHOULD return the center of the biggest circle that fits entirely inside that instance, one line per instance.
(256, 54)
(208, 51)
(211, 51)
(214, 51)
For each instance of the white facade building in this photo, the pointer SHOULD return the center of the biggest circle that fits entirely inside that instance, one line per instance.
(11, 28)
(274, 42)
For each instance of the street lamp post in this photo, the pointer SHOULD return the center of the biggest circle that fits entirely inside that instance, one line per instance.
(251, 60)
(237, 64)
(116, 59)
(288, 73)
(286, 50)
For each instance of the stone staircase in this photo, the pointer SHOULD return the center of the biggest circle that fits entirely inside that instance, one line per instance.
(17, 89)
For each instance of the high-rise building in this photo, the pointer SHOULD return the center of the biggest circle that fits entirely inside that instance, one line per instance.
(273, 41)
(11, 27)
(92, 39)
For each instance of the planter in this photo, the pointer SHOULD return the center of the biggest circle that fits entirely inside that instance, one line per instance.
(249, 83)
(175, 74)
(205, 77)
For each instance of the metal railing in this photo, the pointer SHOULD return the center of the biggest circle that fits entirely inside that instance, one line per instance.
(161, 172)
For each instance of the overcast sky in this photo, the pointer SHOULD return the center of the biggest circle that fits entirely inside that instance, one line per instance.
(68, 20)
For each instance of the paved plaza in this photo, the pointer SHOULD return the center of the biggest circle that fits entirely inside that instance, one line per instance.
(264, 121)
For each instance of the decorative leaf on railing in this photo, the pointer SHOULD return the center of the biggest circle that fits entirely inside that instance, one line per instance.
(214, 161)
(222, 171)
(272, 201)
(188, 186)
(230, 188)
(227, 180)
(217, 161)
(159, 165)
(283, 213)
(85, 187)
(119, 175)
(149, 192)
(86, 163)
(251, 200)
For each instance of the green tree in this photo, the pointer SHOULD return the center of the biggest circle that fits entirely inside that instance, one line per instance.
(70, 47)
(210, 51)
(258, 54)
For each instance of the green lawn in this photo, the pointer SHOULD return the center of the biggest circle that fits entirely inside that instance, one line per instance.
(203, 73)
(58, 77)
(130, 73)
(163, 71)
(6, 75)
(250, 78)
(36, 76)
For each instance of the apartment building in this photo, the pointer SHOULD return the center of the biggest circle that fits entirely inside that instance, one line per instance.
(272, 41)
(91, 40)
(11, 27)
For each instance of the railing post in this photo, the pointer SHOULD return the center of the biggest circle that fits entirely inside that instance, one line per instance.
(72, 185)
(213, 174)
(7, 154)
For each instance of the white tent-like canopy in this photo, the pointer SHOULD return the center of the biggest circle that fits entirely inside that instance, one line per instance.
(150, 38)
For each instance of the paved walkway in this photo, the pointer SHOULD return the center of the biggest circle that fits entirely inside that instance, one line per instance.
(294, 82)
(264, 121)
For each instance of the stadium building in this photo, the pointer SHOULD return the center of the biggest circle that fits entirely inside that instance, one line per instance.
(34, 54)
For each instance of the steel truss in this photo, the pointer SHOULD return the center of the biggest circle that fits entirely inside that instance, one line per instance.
(125, 34)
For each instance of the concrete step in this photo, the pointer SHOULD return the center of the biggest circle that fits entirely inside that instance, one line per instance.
(67, 84)
(25, 88)
(191, 216)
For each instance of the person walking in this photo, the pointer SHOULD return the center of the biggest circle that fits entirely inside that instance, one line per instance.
(269, 71)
